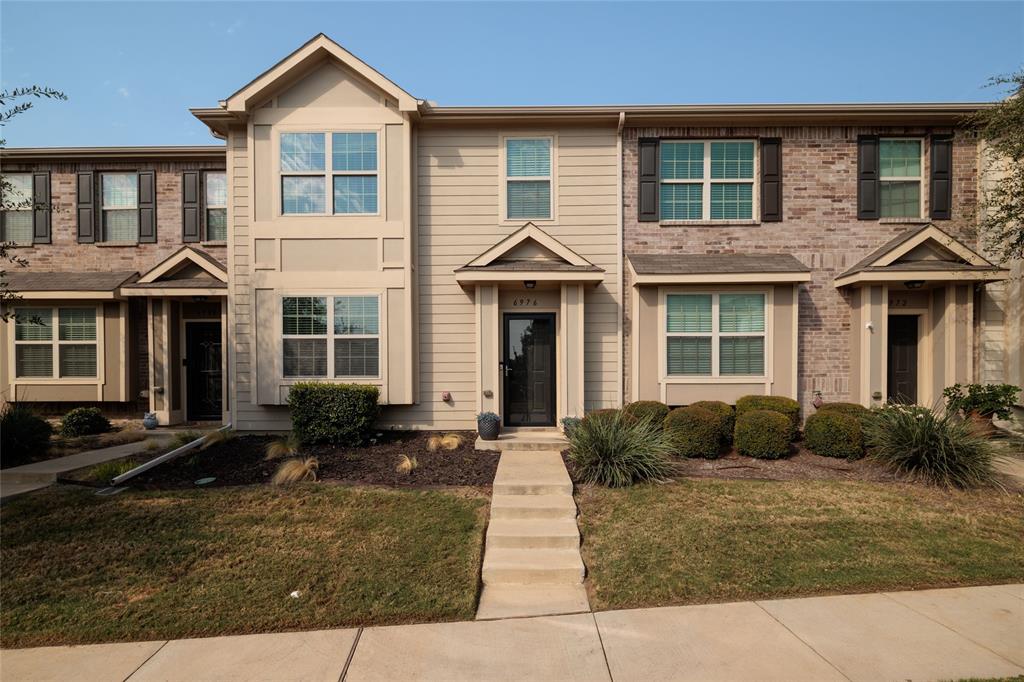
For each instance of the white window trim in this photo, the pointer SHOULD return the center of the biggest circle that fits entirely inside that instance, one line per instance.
(706, 181)
(505, 179)
(56, 343)
(330, 336)
(715, 377)
(104, 209)
(6, 212)
(919, 179)
(328, 174)
(207, 206)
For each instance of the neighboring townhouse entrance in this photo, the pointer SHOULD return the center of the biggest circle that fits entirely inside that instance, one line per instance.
(528, 369)
(203, 371)
(902, 351)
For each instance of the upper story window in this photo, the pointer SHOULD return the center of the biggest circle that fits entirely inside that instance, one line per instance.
(215, 188)
(900, 169)
(119, 206)
(16, 219)
(528, 178)
(354, 336)
(73, 352)
(707, 180)
(715, 334)
(353, 173)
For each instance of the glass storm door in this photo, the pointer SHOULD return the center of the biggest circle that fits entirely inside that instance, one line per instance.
(203, 370)
(528, 366)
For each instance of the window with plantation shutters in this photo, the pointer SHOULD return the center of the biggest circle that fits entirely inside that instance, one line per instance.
(528, 178)
(707, 180)
(70, 353)
(710, 334)
(336, 336)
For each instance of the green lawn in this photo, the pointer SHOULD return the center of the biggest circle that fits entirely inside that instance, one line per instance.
(695, 541)
(79, 568)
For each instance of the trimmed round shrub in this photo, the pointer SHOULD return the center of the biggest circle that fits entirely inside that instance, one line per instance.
(694, 432)
(763, 434)
(723, 410)
(774, 403)
(24, 435)
(651, 410)
(339, 414)
(833, 433)
(937, 446)
(852, 409)
(84, 421)
(611, 448)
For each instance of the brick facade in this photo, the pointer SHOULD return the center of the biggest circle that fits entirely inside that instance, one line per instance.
(819, 227)
(64, 253)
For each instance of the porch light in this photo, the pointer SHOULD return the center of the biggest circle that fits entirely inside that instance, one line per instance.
(529, 283)
(914, 284)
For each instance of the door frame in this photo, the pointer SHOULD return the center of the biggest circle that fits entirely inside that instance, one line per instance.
(183, 355)
(925, 368)
(532, 315)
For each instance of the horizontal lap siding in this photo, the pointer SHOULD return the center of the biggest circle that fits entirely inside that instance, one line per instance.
(458, 218)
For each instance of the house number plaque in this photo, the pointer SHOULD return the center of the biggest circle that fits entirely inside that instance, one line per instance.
(523, 301)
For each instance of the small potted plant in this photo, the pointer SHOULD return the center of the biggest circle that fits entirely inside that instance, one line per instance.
(488, 425)
(981, 402)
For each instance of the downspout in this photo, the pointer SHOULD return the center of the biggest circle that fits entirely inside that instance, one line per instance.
(620, 361)
(166, 457)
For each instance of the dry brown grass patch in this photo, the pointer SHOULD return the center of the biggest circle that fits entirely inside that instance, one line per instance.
(296, 470)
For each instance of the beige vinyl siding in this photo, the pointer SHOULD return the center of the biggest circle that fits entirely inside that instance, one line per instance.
(459, 217)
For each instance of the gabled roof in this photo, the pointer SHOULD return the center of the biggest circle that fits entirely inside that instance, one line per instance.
(698, 268)
(181, 258)
(313, 51)
(528, 232)
(952, 260)
(504, 262)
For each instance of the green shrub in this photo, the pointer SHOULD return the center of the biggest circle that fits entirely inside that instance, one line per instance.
(23, 435)
(937, 446)
(694, 432)
(763, 434)
(852, 409)
(612, 448)
(985, 399)
(834, 433)
(647, 409)
(774, 403)
(84, 421)
(723, 410)
(340, 414)
(603, 413)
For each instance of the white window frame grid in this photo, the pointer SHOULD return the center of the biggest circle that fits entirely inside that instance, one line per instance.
(328, 173)
(207, 206)
(3, 218)
(56, 343)
(330, 336)
(918, 179)
(550, 178)
(706, 181)
(103, 209)
(715, 335)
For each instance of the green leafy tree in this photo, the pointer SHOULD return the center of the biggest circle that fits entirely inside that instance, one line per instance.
(1002, 127)
(12, 103)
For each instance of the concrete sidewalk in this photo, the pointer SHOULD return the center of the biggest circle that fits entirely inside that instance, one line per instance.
(927, 635)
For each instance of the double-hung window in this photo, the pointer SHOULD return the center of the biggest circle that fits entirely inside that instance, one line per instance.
(353, 173)
(119, 204)
(707, 179)
(353, 336)
(528, 178)
(215, 197)
(16, 221)
(37, 351)
(715, 334)
(900, 168)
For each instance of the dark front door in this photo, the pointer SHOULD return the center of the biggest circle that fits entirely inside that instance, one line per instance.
(528, 365)
(902, 358)
(203, 370)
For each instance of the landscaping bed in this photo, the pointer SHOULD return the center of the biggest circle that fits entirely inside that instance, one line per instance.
(242, 461)
(80, 568)
(696, 541)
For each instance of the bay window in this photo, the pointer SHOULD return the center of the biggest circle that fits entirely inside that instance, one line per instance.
(353, 336)
(713, 335)
(353, 173)
(707, 179)
(72, 351)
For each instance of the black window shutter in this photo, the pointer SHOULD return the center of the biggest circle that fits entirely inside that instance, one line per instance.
(647, 198)
(941, 194)
(190, 207)
(147, 207)
(771, 179)
(86, 208)
(867, 178)
(41, 208)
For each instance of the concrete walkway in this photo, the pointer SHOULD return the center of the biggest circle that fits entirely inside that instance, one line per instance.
(926, 635)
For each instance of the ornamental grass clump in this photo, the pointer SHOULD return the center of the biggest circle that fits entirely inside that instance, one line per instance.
(282, 447)
(932, 444)
(694, 432)
(614, 449)
(295, 470)
(833, 433)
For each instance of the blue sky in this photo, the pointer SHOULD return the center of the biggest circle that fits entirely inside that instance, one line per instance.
(132, 69)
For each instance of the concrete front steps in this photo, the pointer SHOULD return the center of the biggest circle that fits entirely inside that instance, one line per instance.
(532, 564)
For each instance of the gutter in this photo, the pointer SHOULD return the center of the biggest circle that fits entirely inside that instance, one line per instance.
(166, 457)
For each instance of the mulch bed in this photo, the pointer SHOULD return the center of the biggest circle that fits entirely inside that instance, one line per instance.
(241, 461)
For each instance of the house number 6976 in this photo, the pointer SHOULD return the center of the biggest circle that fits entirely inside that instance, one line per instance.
(518, 302)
